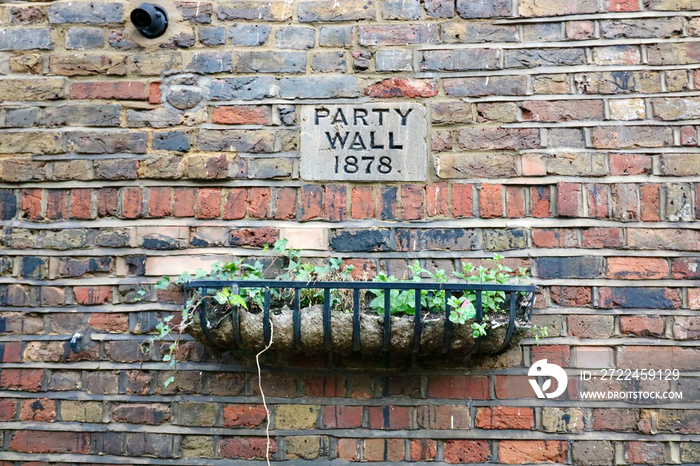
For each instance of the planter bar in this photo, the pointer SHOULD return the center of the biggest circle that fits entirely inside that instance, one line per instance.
(210, 287)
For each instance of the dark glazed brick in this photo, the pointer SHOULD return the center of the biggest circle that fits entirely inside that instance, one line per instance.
(361, 240)
(8, 204)
(570, 267)
(647, 298)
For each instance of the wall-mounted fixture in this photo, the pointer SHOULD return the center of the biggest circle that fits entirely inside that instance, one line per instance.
(150, 20)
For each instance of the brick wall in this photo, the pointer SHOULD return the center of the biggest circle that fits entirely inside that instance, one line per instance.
(561, 134)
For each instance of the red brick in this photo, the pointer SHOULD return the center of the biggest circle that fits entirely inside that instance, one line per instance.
(531, 451)
(513, 386)
(644, 453)
(412, 202)
(28, 441)
(650, 202)
(348, 449)
(117, 90)
(208, 203)
(437, 200)
(642, 326)
(154, 96)
(490, 201)
(253, 237)
(259, 203)
(11, 351)
(598, 205)
(8, 410)
(363, 269)
(285, 203)
(389, 417)
(686, 268)
(630, 164)
(343, 417)
(31, 204)
(602, 238)
(615, 419)
(336, 203)
(57, 204)
(423, 449)
(91, 295)
(247, 448)
(462, 200)
(42, 410)
(505, 417)
(384, 450)
(241, 115)
(541, 201)
(311, 202)
(466, 451)
(637, 268)
(569, 199)
(81, 204)
(159, 200)
(622, 5)
(362, 202)
(107, 202)
(317, 385)
(402, 87)
(515, 202)
(183, 205)
(244, 415)
(236, 204)
(557, 354)
(132, 202)
(689, 136)
(459, 387)
(21, 379)
(109, 322)
(554, 238)
(563, 110)
(570, 296)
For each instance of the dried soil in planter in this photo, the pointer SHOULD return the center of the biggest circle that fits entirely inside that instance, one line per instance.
(371, 332)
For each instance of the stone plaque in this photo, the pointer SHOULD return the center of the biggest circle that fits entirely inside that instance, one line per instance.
(364, 142)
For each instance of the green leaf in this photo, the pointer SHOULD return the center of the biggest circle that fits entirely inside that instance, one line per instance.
(169, 381)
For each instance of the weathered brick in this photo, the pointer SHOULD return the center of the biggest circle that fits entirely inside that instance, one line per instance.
(496, 85)
(504, 417)
(673, 53)
(555, 111)
(248, 35)
(319, 87)
(467, 9)
(25, 39)
(529, 58)
(593, 453)
(195, 12)
(531, 451)
(393, 34)
(50, 442)
(466, 451)
(459, 60)
(400, 87)
(329, 10)
(570, 267)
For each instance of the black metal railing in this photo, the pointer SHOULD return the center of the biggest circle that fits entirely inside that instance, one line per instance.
(212, 286)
